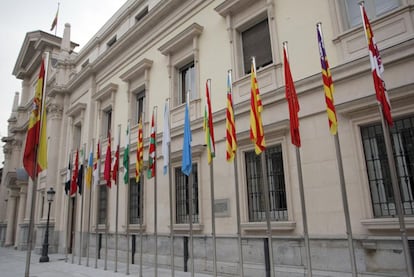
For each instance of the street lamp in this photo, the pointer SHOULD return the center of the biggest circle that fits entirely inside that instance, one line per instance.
(45, 249)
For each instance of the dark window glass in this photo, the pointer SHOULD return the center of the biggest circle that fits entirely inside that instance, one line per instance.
(182, 196)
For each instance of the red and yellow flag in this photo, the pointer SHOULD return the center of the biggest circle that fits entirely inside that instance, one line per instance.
(377, 68)
(256, 125)
(140, 152)
(328, 86)
(292, 100)
(35, 152)
(231, 140)
(208, 126)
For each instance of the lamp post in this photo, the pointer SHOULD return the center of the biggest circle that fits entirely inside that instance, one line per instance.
(45, 249)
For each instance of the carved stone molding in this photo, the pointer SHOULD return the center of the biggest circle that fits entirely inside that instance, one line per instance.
(55, 111)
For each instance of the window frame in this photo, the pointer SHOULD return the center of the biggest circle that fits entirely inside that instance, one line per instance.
(196, 202)
(102, 208)
(139, 189)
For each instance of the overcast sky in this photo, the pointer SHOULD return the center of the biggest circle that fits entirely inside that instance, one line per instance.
(17, 17)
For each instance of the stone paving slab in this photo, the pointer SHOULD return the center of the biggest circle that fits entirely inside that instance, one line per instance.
(13, 263)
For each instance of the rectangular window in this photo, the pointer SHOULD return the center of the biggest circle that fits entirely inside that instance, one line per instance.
(107, 121)
(141, 15)
(374, 8)
(134, 201)
(256, 43)
(77, 131)
(276, 180)
(111, 42)
(139, 105)
(187, 82)
(182, 196)
(102, 204)
(402, 137)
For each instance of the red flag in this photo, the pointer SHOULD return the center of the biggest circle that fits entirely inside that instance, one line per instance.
(292, 100)
(377, 68)
(116, 166)
(74, 183)
(152, 153)
(108, 159)
(35, 156)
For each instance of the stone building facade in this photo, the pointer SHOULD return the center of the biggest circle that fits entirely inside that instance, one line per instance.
(151, 50)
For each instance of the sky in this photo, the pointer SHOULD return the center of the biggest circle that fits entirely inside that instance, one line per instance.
(18, 17)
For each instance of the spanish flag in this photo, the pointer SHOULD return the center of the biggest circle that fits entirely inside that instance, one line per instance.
(55, 20)
(35, 152)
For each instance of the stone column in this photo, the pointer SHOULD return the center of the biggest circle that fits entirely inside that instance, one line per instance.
(11, 218)
(20, 216)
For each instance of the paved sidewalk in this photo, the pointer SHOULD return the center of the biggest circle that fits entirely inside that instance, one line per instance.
(13, 263)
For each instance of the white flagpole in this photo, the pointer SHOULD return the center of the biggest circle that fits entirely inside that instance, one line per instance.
(141, 204)
(167, 137)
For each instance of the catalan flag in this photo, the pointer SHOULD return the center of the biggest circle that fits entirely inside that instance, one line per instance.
(208, 125)
(256, 125)
(140, 152)
(292, 100)
(328, 86)
(35, 151)
(377, 68)
(231, 140)
(152, 155)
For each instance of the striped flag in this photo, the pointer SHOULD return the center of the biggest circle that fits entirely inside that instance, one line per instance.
(377, 68)
(292, 100)
(36, 139)
(208, 125)
(108, 160)
(256, 125)
(328, 86)
(89, 169)
(97, 165)
(140, 152)
(152, 155)
(126, 156)
(231, 140)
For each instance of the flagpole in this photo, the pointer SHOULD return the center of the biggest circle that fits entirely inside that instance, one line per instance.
(68, 215)
(107, 207)
(82, 189)
(98, 165)
(155, 109)
(170, 192)
(304, 216)
(190, 205)
(396, 192)
(236, 188)
(141, 204)
(213, 216)
(73, 228)
(117, 198)
(127, 200)
(35, 180)
(89, 209)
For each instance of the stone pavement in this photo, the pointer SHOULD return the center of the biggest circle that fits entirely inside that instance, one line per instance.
(13, 263)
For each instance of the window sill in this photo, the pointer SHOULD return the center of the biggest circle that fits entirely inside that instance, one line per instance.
(390, 223)
(186, 227)
(262, 226)
(135, 228)
(101, 228)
